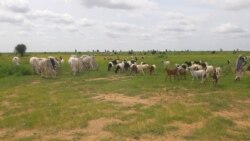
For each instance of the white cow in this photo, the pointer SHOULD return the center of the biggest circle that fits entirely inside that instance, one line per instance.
(197, 74)
(34, 62)
(44, 66)
(89, 62)
(47, 67)
(16, 61)
(74, 63)
(209, 70)
(139, 68)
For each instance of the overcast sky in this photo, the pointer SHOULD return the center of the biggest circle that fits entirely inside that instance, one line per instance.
(66, 25)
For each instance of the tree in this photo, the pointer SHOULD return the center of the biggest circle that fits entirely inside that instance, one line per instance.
(20, 49)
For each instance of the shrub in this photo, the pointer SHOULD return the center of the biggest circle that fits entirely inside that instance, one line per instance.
(7, 70)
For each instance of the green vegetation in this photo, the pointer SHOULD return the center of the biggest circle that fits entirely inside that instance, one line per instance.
(102, 105)
(20, 49)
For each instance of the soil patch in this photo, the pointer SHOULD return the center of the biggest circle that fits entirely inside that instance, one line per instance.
(26, 133)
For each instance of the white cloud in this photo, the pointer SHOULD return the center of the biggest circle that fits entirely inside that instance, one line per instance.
(72, 28)
(113, 34)
(11, 18)
(19, 6)
(237, 4)
(174, 15)
(178, 28)
(86, 22)
(47, 15)
(227, 4)
(120, 26)
(232, 31)
(177, 25)
(23, 33)
(145, 36)
(119, 4)
(229, 28)
(2, 33)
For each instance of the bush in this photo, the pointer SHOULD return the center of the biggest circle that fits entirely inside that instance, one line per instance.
(7, 70)
(21, 71)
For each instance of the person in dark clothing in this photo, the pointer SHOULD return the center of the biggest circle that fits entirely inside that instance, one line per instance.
(240, 63)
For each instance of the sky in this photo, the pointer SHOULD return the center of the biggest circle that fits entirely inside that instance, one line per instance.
(86, 25)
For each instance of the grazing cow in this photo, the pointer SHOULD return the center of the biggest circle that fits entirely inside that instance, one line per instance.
(209, 70)
(165, 63)
(198, 74)
(54, 62)
(47, 67)
(218, 71)
(88, 62)
(74, 64)
(182, 70)
(196, 67)
(16, 61)
(142, 67)
(127, 65)
(203, 65)
(152, 69)
(216, 76)
(197, 62)
(112, 64)
(120, 67)
(188, 63)
(139, 68)
(60, 60)
(172, 72)
(133, 69)
(34, 62)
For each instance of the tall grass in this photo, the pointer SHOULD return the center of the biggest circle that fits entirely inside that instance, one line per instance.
(9, 69)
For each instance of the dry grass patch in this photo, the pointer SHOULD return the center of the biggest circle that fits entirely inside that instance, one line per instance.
(111, 78)
(35, 82)
(184, 129)
(154, 138)
(237, 116)
(126, 100)
(159, 98)
(95, 131)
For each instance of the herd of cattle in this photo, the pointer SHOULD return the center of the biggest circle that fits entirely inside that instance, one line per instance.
(198, 69)
(48, 67)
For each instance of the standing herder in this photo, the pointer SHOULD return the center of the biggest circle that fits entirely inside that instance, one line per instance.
(240, 63)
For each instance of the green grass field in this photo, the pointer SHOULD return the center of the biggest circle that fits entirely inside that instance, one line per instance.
(102, 105)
